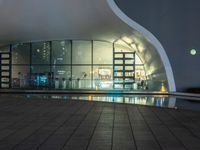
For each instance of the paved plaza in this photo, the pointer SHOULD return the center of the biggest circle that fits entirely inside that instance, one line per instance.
(44, 124)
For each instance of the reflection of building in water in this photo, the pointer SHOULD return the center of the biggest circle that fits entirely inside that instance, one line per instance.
(140, 100)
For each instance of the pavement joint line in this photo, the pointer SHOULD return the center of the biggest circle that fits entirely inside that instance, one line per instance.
(40, 127)
(150, 128)
(78, 109)
(179, 122)
(95, 127)
(18, 130)
(153, 111)
(133, 136)
(77, 126)
(113, 125)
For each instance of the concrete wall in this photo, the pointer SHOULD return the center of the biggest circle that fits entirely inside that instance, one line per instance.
(177, 26)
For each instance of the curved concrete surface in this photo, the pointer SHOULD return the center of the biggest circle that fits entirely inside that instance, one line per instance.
(151, 38)
(41, 20)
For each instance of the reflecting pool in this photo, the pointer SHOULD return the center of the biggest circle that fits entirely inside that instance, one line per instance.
(149, 100)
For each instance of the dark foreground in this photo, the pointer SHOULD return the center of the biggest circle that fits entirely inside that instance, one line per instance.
(80, 125)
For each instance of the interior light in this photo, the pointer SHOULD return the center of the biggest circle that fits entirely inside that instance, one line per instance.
(134, 46)
(127, 40)
(193, 52)
(141, 48)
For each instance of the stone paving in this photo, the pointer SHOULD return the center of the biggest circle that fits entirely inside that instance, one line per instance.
(42, 124)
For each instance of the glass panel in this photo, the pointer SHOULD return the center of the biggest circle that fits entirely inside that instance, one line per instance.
(5, 67)
(40, 69)
(103, 77)
(20, 76)
(137, 59)
(140, 78)
(118, 61)
(61, 52)
(21, 54)
(81, 77)
(140, 73)
(4, 85)
(103, 53)
(117, 68)
(81, 52)
(62, 77)
(118, 86)
(129, 74)
(5, 56)
(41, 53)
(130, 61)
(5, 49)
(5, 79)
(129, 68)
(118, 55)
(41, 77)
(5, 73)
(118, 74)
(5, 61)
(129, 55)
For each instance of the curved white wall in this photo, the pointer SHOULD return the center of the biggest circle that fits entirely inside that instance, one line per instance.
(43, 20)
(151, 39)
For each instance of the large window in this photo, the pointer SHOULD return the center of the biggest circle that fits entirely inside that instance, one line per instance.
(81, 77)
(103, 77)
(70, 65)
(21, 53)
(20, 76)
(41, 53)
(102, 53)
(4, 49)
(61, 52)
(81, 52)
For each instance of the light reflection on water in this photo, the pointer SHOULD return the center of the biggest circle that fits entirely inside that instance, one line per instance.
(160, 101)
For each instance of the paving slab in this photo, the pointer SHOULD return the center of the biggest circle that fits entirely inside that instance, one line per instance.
(46, 124)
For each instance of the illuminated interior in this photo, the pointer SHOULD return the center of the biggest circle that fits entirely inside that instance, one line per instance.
(111, 52)
(75, 64)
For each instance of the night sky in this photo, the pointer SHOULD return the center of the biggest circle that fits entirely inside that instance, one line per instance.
(176, 24)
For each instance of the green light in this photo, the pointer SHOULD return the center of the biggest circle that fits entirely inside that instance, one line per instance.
(193, 52)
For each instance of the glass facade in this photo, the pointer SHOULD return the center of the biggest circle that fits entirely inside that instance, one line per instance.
(72, 64)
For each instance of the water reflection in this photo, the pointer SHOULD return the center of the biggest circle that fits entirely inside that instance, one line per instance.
(160, 101)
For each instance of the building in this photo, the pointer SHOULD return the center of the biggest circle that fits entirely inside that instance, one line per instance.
(74, 44)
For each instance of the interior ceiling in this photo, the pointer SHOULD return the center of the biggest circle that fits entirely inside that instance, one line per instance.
(36, 20)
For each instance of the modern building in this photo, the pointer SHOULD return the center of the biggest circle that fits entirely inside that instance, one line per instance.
(99, 45)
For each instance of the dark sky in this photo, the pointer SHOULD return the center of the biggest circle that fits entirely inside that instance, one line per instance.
(176, 24)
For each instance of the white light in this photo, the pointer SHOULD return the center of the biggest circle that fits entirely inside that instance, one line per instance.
(127, 40)
(60, 59)
(134, 46)
(61, 72)
(193, 52)
(141, 48)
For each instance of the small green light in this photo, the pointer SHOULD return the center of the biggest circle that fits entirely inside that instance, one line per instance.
(193, 52)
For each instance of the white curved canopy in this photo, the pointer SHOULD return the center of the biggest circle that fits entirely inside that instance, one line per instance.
(39, 20)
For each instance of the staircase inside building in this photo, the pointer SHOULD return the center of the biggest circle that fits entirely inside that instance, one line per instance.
(123, 70)
(5, 70)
